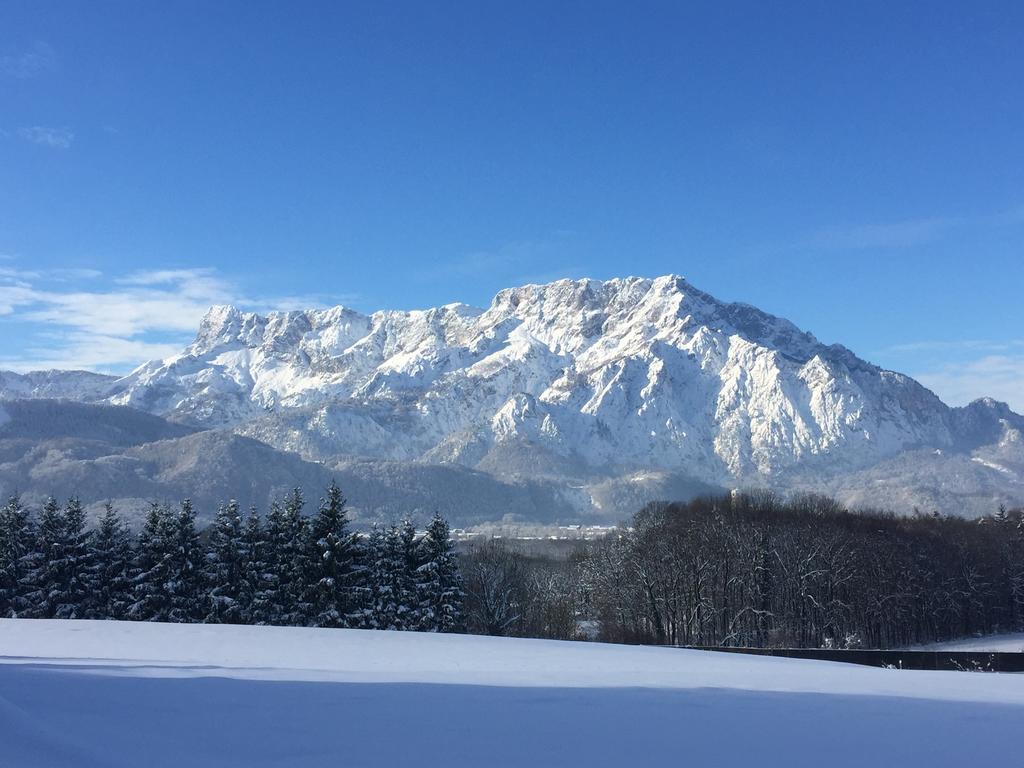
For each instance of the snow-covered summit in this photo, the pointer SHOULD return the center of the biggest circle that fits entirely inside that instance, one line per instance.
(630, 372)
(578, 382)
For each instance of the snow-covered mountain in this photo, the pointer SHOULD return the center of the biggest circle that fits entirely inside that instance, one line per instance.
(62, 385)
(588, 382)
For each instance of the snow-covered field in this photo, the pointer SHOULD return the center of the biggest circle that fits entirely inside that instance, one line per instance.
(131, 694)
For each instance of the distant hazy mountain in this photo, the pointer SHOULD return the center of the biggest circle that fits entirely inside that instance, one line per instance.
(113, 453)
(594, 395)
(73, 385)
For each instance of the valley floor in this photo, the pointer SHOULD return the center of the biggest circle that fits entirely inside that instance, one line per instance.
(89, 694)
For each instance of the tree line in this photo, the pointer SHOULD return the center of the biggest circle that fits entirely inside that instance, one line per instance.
(742, 569)
(288, 568)
(757, 570)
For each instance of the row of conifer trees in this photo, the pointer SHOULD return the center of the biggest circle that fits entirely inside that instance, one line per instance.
(288, 568)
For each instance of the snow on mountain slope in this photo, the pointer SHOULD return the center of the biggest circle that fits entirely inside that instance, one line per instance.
(585, 383)
(70, 385)
(623, 373)
(121, 694)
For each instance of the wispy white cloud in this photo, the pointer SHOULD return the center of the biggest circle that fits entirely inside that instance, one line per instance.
(899, 234)
(55, 138)
(86, 351)
(906, 233)
(997, 376)
(36, 60)
(126, 321)
(961, 345)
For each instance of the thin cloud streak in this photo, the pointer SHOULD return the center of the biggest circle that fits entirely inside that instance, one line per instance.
(144, 315)
(895, 235)
(997, 376)
(38, 59)
(988, 345)
(900, 234)
(54, 138)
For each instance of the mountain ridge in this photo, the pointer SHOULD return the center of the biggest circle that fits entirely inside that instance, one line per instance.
(575, 381)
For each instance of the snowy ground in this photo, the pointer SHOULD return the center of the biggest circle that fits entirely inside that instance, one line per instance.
(1010, 643)
(129, 694)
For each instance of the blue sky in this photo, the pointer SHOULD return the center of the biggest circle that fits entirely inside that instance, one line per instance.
(857, 169)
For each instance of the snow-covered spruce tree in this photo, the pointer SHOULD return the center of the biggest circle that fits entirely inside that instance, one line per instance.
(70, 592)
(390, 579)
(17, 557)
(273, 591)
(224, 567)
(439, 583)
(151, 568)
(186, 585)
(404, 575)
(333, 565)
(37, 578)
(108, 583)
(287, 545)
(375, 612)
(57, 583)
(256, 576)
(167, 579)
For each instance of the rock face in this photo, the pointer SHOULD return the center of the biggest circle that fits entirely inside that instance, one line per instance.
(584, 382)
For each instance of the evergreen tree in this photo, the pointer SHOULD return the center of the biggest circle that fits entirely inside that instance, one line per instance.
(284, 590)
(70, 594)
(224, 567)
(255, 571)
(332, 565)
(373, 616)
(109, 586)
(17, 557)
(390, 580)
(273, 592)
(185, 585)
(150, 571)
(439, 581)
(404, 574)
(56, 585)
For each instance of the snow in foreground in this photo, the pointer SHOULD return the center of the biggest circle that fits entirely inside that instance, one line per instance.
(127, 694)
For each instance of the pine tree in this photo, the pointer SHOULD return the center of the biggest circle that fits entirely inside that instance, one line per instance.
(284, 593)
(43, 582)
(406, 576)
(224, 566)
(439, 582)
(150, 601)
(57, 584)
(255, 571)
(273, 591)
(374, 611)
(17, 557)
(71, 593)
(332, 565)
(185, 586)
(109, 586)
(1001, 517)
(390, 582)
